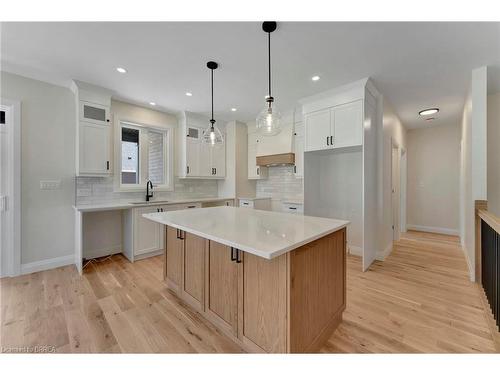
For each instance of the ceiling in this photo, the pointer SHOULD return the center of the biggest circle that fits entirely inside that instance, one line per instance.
(415, 65)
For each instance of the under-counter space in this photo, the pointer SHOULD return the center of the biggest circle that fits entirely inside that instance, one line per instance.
(105, 228)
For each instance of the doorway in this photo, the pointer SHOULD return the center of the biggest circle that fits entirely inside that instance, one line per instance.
(10, 188)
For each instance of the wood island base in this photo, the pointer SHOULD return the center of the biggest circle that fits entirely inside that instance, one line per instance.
(289, 304)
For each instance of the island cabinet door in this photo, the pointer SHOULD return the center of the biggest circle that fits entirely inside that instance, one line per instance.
(263, 304)
(221, 282)
(193, 286)
(173, 259)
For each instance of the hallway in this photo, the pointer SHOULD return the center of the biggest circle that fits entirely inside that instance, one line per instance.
(419, 299)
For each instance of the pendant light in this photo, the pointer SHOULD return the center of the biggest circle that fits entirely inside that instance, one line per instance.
(268, 121)
(212, 134)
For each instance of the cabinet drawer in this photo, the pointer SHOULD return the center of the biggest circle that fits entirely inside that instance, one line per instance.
(246, 203)
(293, 208)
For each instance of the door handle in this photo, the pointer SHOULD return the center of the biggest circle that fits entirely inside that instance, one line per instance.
(233, 256)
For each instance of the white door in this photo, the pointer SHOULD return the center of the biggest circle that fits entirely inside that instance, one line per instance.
(204, 161)
(317, 130)
(94, 148)
(252, 154)
(147, 233)
(347, 124)
(192, 157)
(219, 160)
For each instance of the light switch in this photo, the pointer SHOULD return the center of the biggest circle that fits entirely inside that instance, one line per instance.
(50, 184)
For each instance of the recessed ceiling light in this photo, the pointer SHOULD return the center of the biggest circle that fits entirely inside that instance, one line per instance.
(429, 111)
(189, 94)
(121, 70)
(233, 109)
(315, 78)
(152, 103)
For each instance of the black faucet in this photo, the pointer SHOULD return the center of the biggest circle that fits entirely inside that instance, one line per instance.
(148, 195)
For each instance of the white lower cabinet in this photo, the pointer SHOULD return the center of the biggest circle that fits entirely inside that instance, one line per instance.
(143, 237)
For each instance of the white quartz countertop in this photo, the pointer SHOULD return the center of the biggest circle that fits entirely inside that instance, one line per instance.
(266, 234)
(123, 205)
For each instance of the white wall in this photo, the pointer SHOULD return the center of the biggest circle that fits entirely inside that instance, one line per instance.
(473, 171)
(494, 153)
(393, 131)
(433, 178)
(335, 189)
(47, 152)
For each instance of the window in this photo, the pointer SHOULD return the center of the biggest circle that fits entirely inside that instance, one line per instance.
(144, 153)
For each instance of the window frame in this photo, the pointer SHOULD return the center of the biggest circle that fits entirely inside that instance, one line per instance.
(143, 156)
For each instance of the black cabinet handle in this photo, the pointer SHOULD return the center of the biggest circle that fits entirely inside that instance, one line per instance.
(294, 169)
(258, 171)
(157, 210)
(233, 256)
(107, 165)
(191, 207)
(180, 235)
(328, 141)
(187, 169)
(292, 208)
(107, 120)
(331, 140)
(238, 258)
(215, 170)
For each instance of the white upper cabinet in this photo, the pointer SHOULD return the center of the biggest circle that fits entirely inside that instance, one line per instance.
(255, 172)
(348, 124)
(197, 159)
(336, 127)
(317, 130)
(94, 155)
(298, 149)
(93, 143)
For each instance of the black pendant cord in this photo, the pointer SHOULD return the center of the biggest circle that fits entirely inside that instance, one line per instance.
(269, 60)
(212, 121)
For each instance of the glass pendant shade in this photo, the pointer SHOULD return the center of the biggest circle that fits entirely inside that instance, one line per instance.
(269, 121)
(212, 136)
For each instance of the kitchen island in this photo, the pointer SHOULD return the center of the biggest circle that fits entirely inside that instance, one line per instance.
(273, 282)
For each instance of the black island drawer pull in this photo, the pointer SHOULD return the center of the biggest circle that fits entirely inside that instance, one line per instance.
(238, 256)
(292, 208)
(233, 254)
(180, 235)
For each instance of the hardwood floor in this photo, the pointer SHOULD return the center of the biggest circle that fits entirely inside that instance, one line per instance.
(418, 300)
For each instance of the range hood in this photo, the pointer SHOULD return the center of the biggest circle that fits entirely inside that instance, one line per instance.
(276, 159)
(277, 149)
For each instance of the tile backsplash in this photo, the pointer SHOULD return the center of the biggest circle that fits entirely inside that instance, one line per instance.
(281, 184)
(101, 189)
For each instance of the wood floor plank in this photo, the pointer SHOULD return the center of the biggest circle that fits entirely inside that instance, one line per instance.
(419, 299)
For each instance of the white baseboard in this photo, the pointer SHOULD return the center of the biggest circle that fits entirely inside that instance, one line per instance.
(355, 250)
(47, 264)
(472, 273)
(148, 255)
(381, 255)
(423, 228)
(98, 253)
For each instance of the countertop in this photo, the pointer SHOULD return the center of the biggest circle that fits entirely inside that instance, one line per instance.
(267, 234)
(126, 204)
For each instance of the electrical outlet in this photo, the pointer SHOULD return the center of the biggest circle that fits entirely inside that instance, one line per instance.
(50, 184)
